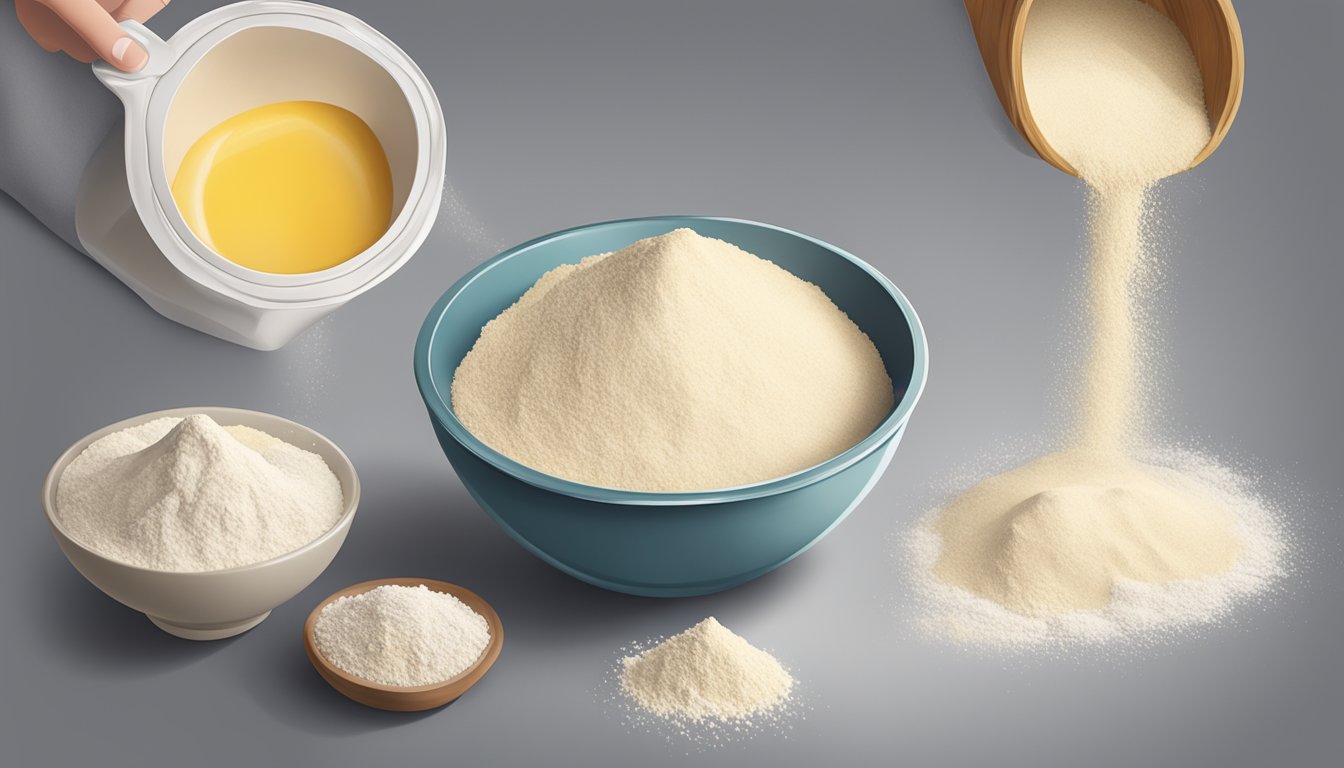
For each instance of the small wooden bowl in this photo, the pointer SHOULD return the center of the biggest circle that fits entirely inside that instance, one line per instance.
(397, 698)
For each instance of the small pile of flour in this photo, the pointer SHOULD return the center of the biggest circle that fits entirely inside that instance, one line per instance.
(1078, 523)
(1093, 573)
(706, 673)
(189, 495)
(404, 636)
(1090, 544)
(679, 363)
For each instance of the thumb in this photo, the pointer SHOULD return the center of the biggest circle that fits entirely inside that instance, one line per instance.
(95, 26)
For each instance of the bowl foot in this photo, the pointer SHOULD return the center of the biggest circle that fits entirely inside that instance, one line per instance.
(207, 631)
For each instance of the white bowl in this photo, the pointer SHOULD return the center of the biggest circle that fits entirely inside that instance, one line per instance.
(211, 605)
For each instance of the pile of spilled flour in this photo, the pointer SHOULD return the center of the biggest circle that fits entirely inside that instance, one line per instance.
(679, 363)
(707, 680)
(186, 494)
(401, 635)
(1106, 539)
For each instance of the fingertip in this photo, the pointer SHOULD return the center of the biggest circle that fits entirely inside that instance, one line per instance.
(128, 55)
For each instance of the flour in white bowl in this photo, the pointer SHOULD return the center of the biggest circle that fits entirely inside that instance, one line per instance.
(189, 495)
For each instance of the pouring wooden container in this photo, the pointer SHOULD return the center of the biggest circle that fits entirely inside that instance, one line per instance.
(1209, 26)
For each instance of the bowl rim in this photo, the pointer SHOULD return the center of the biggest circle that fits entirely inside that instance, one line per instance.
(52, 481)
(443, 414)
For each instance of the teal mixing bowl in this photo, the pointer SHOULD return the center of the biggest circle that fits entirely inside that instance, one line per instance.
(668, 544)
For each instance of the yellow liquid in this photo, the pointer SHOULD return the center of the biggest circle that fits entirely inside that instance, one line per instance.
(288, 188)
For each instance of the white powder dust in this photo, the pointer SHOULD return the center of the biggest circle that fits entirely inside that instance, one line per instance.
(189, 495)
(679, 363)
(1089, 544)
(706, 675)
(400, 635)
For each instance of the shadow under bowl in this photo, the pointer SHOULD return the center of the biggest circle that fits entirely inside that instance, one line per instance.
(211, 605)
(669, 544)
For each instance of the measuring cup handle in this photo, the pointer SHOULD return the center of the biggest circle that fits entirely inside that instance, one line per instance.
(161, 58)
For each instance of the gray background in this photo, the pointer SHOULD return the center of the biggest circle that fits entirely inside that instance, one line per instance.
(870, 125)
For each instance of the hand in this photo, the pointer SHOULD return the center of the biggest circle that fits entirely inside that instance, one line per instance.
(87, 29)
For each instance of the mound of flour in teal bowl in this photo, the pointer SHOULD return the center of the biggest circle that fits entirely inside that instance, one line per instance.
(679, 363)
(689, 495)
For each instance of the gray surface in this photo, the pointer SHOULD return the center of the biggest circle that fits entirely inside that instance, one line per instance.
(53, 114)
(867, 124)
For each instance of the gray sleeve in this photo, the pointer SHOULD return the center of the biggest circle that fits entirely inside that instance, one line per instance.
(53, 114)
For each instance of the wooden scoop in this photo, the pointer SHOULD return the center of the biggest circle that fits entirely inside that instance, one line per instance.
(1209, 26)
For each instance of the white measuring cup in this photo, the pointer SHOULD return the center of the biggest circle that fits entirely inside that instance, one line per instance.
(227, 61)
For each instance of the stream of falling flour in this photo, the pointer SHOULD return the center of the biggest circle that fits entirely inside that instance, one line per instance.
(1116, 90)
(1107, 411)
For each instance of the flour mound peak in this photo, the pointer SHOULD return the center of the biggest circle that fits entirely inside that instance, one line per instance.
(678, 363)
